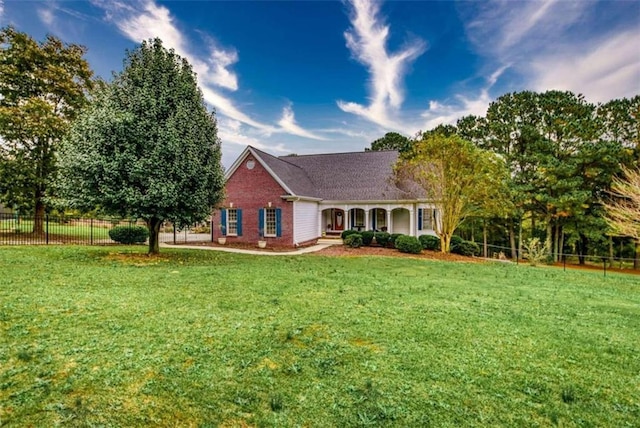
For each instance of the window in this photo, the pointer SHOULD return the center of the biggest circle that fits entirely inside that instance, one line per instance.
(232, 222)
(270, 222)
(357, 217)
(426, 219)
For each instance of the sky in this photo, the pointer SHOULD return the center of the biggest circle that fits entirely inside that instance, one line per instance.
(328, 76)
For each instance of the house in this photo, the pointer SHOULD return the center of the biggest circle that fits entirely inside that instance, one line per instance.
(295, 200)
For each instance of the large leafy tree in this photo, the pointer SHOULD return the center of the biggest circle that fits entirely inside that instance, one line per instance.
(623, 208)
(458, 177)
(559, 161)
(391, 141)
(43, 86)
(147, 147)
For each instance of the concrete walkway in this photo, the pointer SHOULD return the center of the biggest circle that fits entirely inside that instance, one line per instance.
(311, 249)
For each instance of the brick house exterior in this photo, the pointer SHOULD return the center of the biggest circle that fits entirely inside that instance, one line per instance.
(295, 200)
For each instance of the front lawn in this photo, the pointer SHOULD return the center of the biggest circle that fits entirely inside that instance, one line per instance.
(98, 336)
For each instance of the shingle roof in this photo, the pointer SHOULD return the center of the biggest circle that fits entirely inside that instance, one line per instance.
(355, 176)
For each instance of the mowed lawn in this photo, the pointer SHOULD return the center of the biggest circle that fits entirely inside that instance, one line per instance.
(96, 336)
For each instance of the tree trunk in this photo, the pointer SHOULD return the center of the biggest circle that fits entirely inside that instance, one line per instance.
(484, 238)
(445, 242)
(561, 247)
(611, 251)
(153, 224)
(512, 239)
(549, 238)
(519, 239)
(556, 241)
(38, 220)
(636, 255)
(582, 256)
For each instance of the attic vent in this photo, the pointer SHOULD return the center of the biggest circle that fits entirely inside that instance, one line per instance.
(251, 164)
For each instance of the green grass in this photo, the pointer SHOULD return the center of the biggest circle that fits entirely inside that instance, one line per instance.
(59, 230)
(202, 338)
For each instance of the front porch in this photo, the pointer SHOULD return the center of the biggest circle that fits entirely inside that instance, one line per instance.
(391, 218)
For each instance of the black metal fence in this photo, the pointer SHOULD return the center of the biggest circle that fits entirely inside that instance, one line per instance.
(48, 229)
(596, 261)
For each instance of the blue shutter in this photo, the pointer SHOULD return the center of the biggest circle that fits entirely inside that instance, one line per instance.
(261, 222)
(420, 218)
(223, 221)
(373, 218)
(239, 222)
(278, 222)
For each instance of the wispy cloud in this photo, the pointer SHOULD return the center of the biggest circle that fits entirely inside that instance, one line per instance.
(1, 8)
(367, 42)
(146, 19)
(288, 124)
(550, 45)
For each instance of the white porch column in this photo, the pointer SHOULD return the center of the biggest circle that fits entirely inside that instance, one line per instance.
(388, 220)
(320, 221)
(366, 219)
(412, 221)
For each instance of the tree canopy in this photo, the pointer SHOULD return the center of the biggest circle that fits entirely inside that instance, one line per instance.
(458, 177)
(43, 87)
(391, 141)
(623, 210)
(146, 147)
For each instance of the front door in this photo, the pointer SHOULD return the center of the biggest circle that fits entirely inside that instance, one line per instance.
(338, 219)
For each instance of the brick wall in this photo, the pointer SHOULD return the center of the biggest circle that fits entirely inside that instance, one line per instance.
(250, 190)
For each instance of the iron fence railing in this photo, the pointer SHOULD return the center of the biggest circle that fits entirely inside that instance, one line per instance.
(49, 229)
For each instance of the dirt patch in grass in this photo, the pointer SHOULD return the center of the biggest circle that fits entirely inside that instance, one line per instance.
(137, 259)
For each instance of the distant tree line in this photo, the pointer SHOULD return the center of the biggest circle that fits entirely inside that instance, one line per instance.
(561, 155)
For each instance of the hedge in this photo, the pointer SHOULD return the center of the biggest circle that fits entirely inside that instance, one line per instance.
(129, 234)
(430, 242)
(353, 240)
(408, 244)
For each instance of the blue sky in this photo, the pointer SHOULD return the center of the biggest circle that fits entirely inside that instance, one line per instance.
(321, 76)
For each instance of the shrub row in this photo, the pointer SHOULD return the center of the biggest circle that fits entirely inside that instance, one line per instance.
(408, 244)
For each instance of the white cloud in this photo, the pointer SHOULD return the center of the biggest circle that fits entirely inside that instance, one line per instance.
(367, 41)
(1, 8)
(609, 70)
(46, 16)
(552, 45)
(145, 19)
(288, 124)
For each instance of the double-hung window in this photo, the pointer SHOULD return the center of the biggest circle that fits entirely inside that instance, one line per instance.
(231, 222)
(426, 219)
(269, 222)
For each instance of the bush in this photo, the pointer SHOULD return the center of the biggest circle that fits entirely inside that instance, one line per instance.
(455, 240)
(393, 237)
(353, 240)
(408, 244)
(367, 237)
(346, 233)
(129, 234)
(466, 248)
(382, 238)
(430, 242)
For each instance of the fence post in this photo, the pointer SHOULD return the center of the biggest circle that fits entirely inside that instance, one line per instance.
(46, 230)
(174, 234)
(604, 264)
(91, 231)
